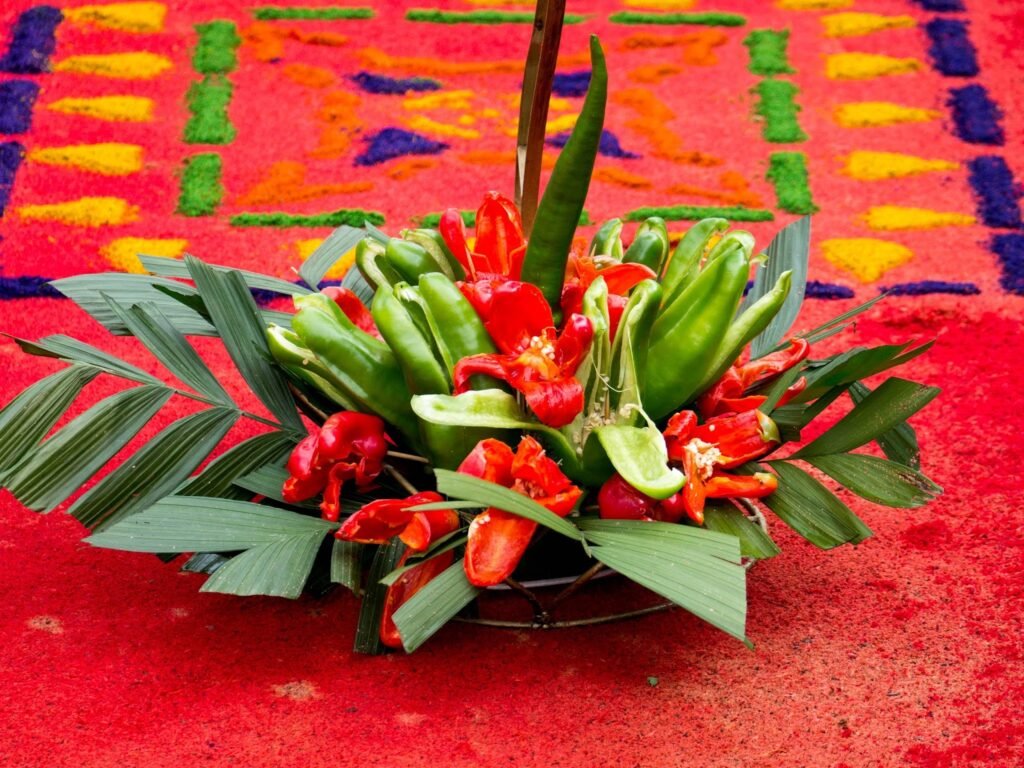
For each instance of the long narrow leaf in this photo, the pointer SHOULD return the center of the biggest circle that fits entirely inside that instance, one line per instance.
(431, 608)
(90, 292)
(279, 568)
(789, 250)
(688, 570)
(888, 406)
(328, 253)
(205, 524)
(371, 610)
(347, 564)
(172, 267)
(150, 326)
(268, 481)
(218, 479)
(155, 470)
(237, 318)
(878, 480)
(826, 329)
(900, 442)
(75, 351)
(810, 509)
(856, 364)
(31, 415)
(63, 463)
(726, 518)
(460, 486)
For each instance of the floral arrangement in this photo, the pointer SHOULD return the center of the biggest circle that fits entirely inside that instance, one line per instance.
(454, 398)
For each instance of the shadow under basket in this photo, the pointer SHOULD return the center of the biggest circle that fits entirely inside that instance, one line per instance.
(557, 586)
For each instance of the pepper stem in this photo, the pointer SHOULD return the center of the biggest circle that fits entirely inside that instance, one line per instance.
(538, 77)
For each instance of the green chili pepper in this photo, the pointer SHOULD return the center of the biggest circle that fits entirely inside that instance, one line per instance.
(650, 246)
(739, 237)
(686, 337)
(608, 240)
(459, 331)
(632, 340)
(559, 211)
(409, 259)
(432, 242)
(357, 362)
(374, 265)
(424, 373)
(746, 327)
(684, 265)
(291, 354)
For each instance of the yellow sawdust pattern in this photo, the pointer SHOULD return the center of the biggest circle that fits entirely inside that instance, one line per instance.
(868, 114)
(129, 109)
(859, 24)
(141, 18)
(812, 5)
(109, 159)
(138, 65)
(84, 212)
(373, 58)
(865, 66)
(896, 217)
(866, 258)
(123, 253)
(424, 124)
(866, 165)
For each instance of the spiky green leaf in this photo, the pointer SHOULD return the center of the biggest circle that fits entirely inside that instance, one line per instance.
(172, 267)
(218, 478)
(724, 517)
(789, 250)
(328, 253)
(431, 608)
(878, 480)
(900, 442)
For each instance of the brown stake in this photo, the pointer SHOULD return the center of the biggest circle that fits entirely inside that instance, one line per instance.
(541, 61)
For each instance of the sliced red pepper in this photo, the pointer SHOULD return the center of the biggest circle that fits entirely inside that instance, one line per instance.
(755, 486)
(453, 231)
(772, 365)
(678, 432)
(498, 539)
(500, 243)
(740, 437)
(619, 278)
(353, 308)
(694, 492)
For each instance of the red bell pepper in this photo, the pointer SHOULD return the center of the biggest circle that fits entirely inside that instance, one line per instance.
(535, 359)
(498, 539)
(500, 244)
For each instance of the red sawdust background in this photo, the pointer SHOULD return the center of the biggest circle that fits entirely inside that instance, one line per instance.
(904, 651)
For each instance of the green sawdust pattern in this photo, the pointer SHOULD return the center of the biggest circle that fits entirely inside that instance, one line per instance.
(709, 19)
(208, 102)
(469, 219)
(480, 17)
(777, 106)
(697, 212)
(768, 52)
(788, 172)
(215, 51)
(201, 190)
(277, 13)
(353, 217)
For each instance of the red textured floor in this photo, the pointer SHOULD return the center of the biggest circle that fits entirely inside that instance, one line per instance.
(906, 651)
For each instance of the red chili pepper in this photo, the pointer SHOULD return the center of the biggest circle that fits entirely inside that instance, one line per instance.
(500, 244)
(620, 279)
(739, 437)
(379, 521)
(756, 486)
(726, 395)
(453, 230)
(498, 539)
(353, 308)
(535, 359)
(349, 446)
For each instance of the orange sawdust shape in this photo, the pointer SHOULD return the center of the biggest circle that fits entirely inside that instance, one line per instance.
(285, 182)
(497, 157)
(337, 116)
(408, 167)
(376, 59)
(309, 76)
(698, 47)
(621, 178)
(266, 41)
(735, 191)
(652, 116)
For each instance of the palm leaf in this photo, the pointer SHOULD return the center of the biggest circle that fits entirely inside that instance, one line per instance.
(71, 456)
(900, 442)
(31, 415)
(279, 568)
(155, 470)
(150, 325)
(237, 318)
(878, 480)
(328, 253)
(347, 564)
(219, 478)
(172, 267)
(810, 509)
(371, 609)
(788, 251)
(431, 608)
(725, 518)
(66, 348)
